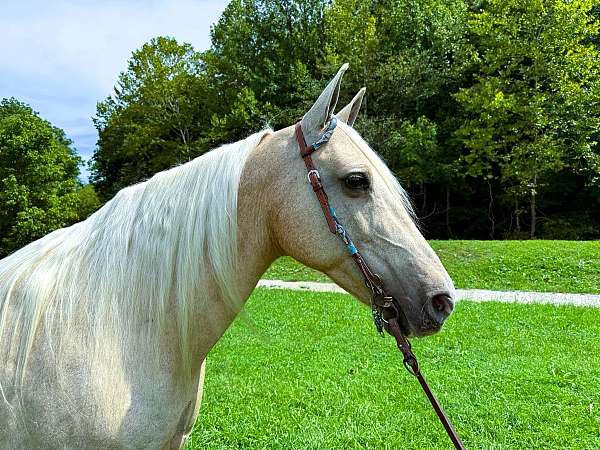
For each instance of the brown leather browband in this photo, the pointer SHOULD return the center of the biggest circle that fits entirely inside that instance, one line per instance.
(386, 309)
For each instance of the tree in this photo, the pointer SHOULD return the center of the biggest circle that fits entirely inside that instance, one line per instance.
(352, 36)
(38, 177)
(173, 103)
(485, 109)
(533, 108)
(157, 117)
(271, 50)
(411, 55)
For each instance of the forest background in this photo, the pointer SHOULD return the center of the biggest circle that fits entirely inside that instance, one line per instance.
(487, 111)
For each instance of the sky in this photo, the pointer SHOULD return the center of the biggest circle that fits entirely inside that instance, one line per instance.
(63, 56)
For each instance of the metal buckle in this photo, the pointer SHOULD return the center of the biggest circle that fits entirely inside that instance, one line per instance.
(316, 173)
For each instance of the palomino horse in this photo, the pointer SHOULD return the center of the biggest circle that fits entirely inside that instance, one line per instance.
(105, 325)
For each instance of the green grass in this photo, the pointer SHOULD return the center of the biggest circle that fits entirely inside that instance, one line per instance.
(316, 376)
(548, 266)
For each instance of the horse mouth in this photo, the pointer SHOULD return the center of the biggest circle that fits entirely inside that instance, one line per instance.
(425, 326)
(403, 323)
(429, 327)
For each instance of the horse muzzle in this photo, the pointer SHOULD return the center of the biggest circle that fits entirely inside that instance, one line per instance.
(429, 319)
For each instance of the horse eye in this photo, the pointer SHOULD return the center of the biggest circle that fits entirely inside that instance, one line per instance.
(357, 181)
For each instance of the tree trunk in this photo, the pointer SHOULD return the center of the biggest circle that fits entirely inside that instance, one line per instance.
(491, 211)
(533, 215)
(448, 212)
(518, 215)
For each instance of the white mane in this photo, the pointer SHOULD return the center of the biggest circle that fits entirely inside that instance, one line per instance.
(154, 245)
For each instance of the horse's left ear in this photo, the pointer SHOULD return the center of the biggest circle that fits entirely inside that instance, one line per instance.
(349, 112)
(313, 121)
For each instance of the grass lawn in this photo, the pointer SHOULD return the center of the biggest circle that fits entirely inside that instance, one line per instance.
(311, 373)
(548, 266)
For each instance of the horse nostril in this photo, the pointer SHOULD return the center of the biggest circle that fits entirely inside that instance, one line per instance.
(442, 304)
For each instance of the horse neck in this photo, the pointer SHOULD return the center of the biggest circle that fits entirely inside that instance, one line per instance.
(257, 248)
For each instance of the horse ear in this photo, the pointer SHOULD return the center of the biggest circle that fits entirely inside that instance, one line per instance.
(313, 121)
(349, 112)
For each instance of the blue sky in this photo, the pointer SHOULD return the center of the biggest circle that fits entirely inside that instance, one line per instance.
(63, 56)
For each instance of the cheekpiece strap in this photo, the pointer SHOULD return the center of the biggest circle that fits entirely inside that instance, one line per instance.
(335, 226)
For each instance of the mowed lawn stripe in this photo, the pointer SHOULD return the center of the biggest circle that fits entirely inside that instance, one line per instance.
(478, 295)
(309, 372)
(544, 266)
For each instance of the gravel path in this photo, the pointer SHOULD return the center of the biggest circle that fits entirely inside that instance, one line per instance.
(478, 295)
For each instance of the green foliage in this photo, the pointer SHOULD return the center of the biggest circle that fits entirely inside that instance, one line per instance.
(173, 104)
(488, 111)
(533, 108)
(88, 201)
(271, 50)
(351, 30)
(157, 117)
(414, 150)
(38, 177)
(317, 376)
(570, 228)
(255, 41)
(424, 48)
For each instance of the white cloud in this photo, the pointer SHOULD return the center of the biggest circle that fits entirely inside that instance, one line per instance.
(63, 56)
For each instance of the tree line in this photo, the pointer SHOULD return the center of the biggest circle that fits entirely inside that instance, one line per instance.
(39, 188)
(487, 110)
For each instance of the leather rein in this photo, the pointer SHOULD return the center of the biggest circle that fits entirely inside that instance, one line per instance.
(386, 310)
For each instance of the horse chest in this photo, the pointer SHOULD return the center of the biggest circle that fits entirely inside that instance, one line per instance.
(147, 420)
(157, 421)
(117, 407)
(158, 413)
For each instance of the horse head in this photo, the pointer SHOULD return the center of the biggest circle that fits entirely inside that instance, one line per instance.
(373, 208)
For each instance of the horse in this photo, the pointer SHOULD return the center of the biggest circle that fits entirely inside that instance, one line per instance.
(105, 325)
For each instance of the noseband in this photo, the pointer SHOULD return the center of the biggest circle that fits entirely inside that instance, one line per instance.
(386, 310)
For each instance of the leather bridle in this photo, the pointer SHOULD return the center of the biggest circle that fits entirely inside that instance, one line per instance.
(386, 310)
